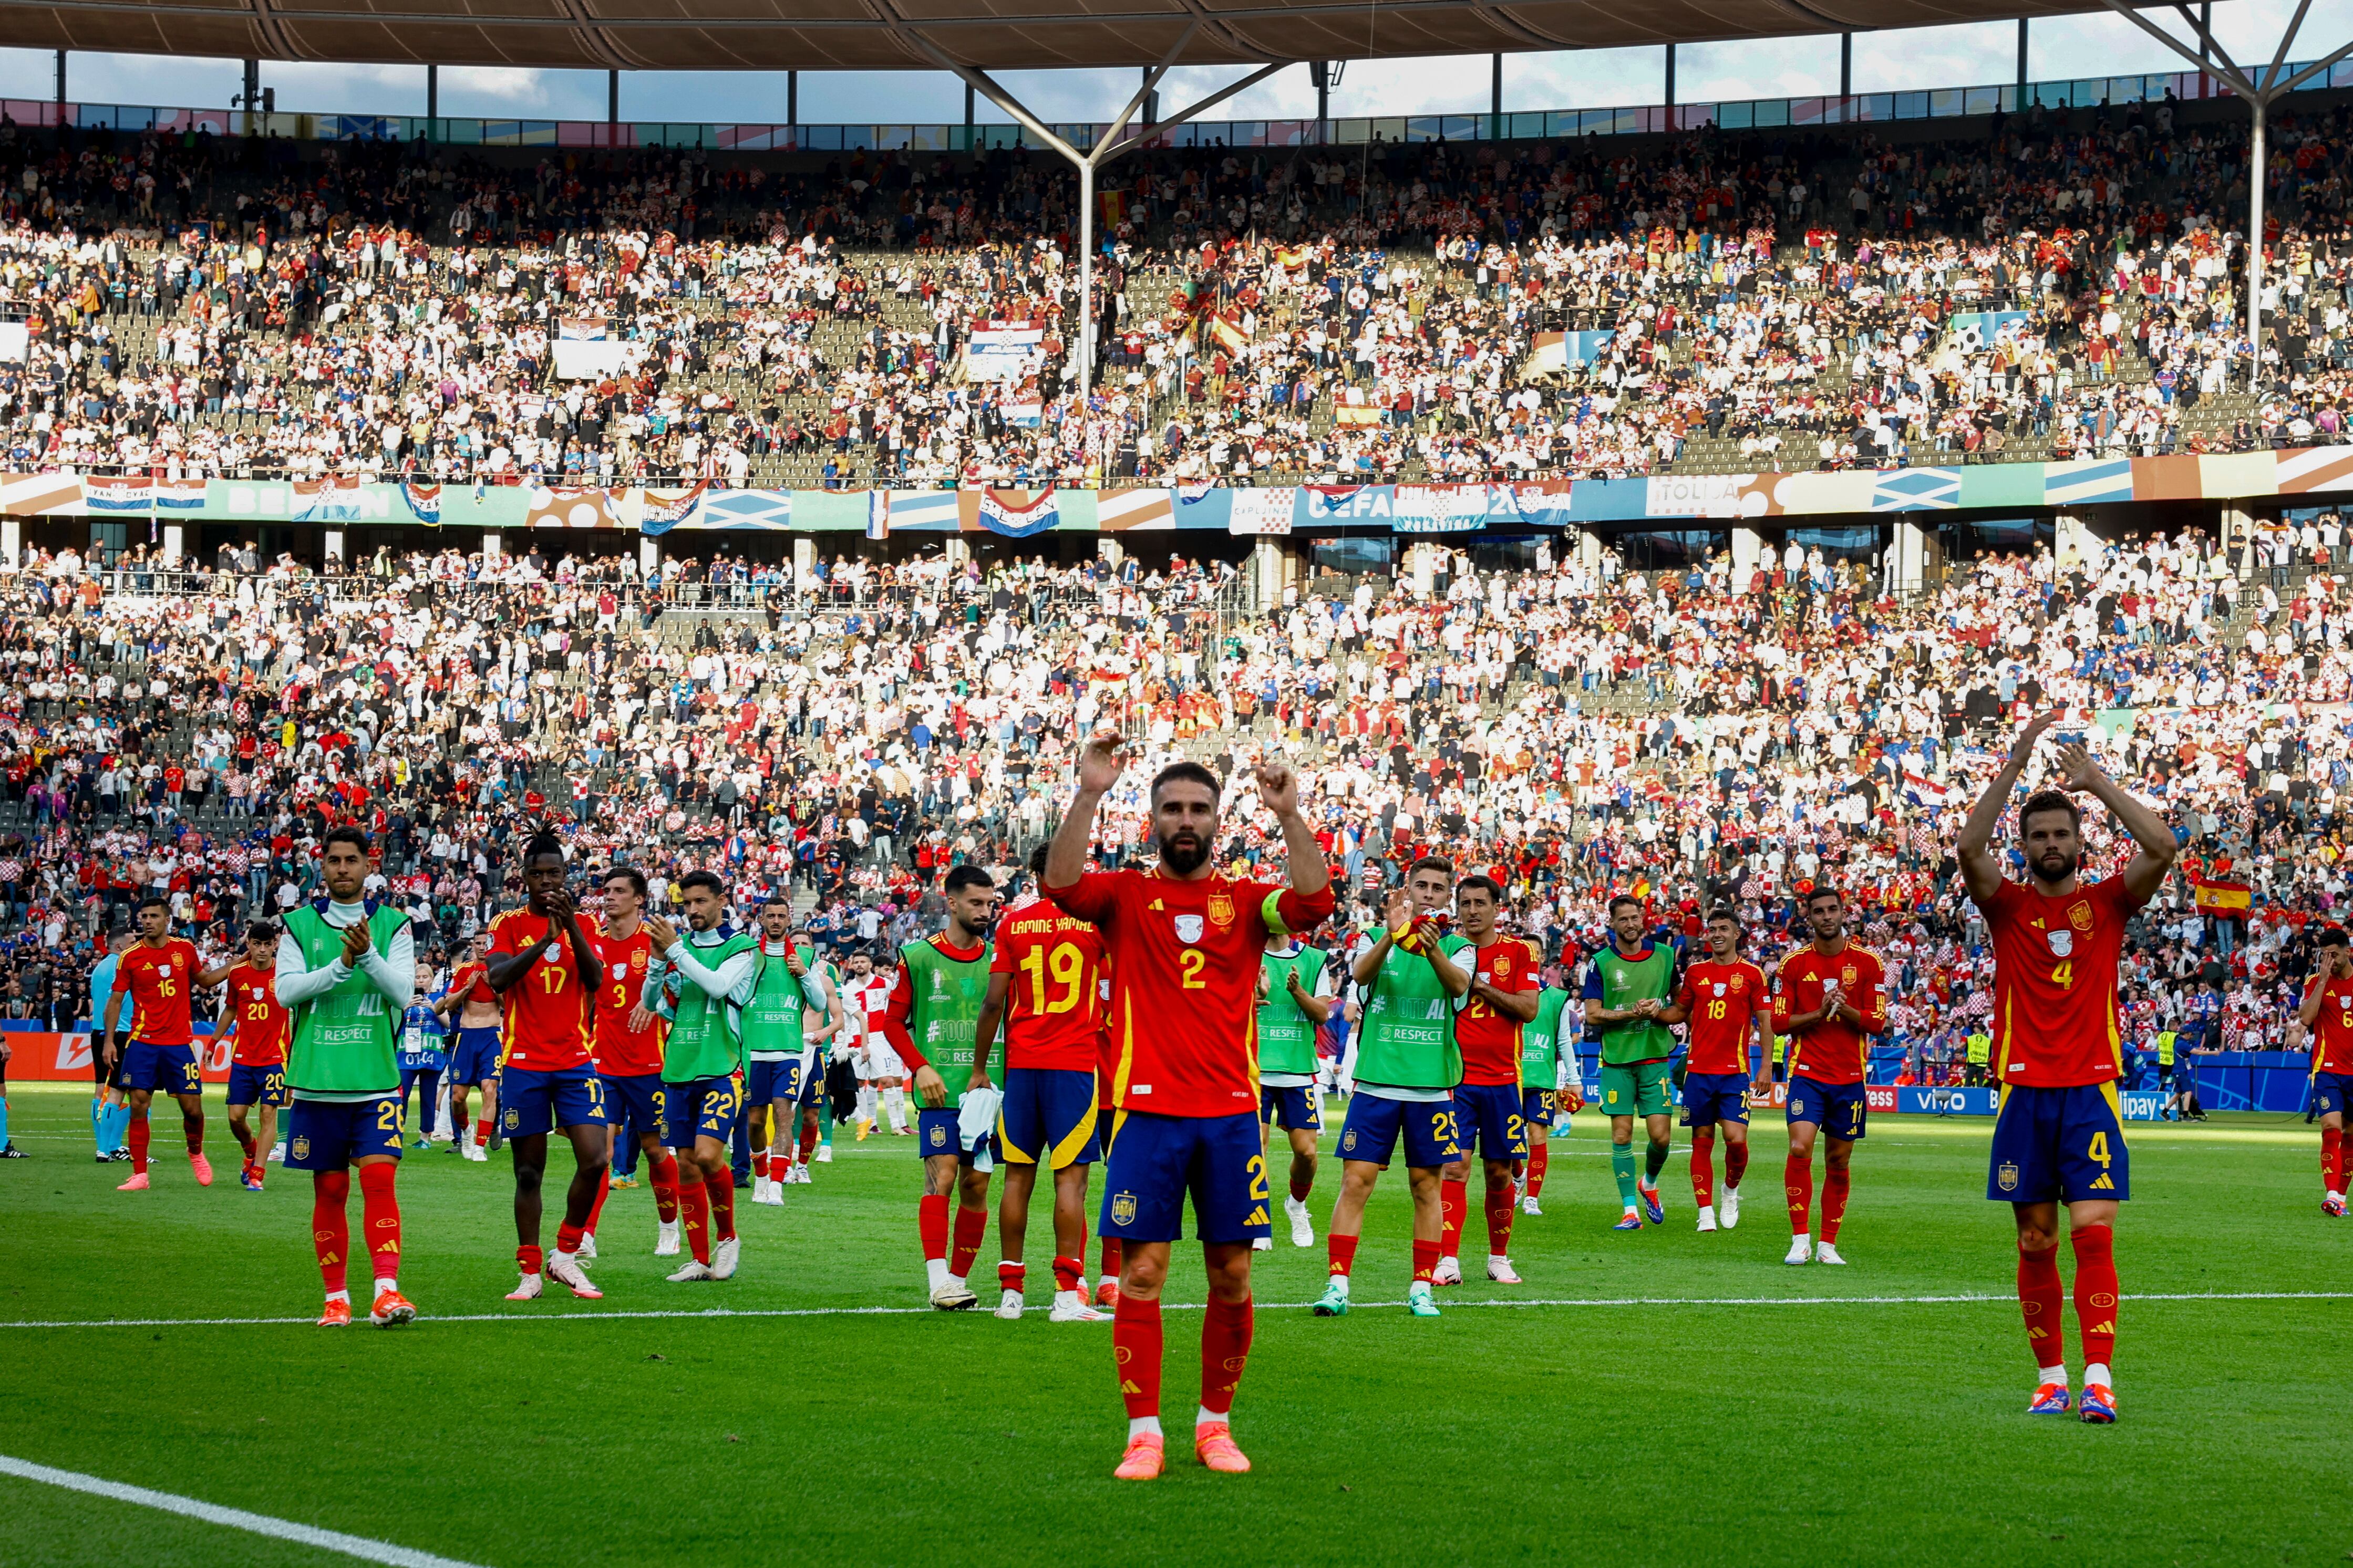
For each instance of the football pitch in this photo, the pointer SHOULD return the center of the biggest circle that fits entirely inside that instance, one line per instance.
(1662, 1396)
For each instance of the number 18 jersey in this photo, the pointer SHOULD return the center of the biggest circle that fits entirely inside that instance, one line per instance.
(2054, 983)
(548, 1013)
(1053, 1000)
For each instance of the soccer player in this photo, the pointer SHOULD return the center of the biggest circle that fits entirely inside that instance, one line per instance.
(547, 975)
(2058, 1134)
(1405, 1063)
(1294, 1000)
(2327, 1011)
(474, 1060)
(346, 968)
(1723, 1001)
(941, 986)
(777, 1045)
(158, 973)
(1629, 981)
(865, 994)
(629, 1053)
(1502, 1000)
(811, 1106)
(110, 1106)
(1045, 987)
(256, 1065)
(1830, 998)
(701, 984)
(1186, 944)
(1549, 1087)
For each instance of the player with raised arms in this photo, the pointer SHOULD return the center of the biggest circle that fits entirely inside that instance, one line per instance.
(1186, 944)
(346, 972)
(160, 973)
(1723, 1001)
(1830, 998)
(2328, 1012)
(1500, 1001)
(2058, 1132)
(546, 972)
(700, 984)
(932, 1022)
(1404, 1063)
(1294, 1000)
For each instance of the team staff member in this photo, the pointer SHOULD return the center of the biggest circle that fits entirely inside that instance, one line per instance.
(160, 973)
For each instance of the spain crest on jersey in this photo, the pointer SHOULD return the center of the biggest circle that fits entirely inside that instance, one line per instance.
(2080, 916)
(1123, 1208)
(301, 1149)
(1221, 909)
(2006, 1177)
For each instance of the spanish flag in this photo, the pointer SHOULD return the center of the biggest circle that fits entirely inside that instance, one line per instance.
(2223, 898)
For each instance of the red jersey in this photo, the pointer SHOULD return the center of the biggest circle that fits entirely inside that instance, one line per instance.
(547, 1011)
(260, 1021)
(1723, 1001)
(1490, 1041)
(1833, 1050)
(158, 980)
(1053, 997)
(620, 1051)
(1184, 964)
(472, 983)
(2054, 983)
(2332, 1029)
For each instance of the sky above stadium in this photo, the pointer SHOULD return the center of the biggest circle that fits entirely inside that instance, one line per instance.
(2103, 45)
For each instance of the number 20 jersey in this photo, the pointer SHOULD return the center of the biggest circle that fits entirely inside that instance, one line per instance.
(1054, 965)
(2055, 1002)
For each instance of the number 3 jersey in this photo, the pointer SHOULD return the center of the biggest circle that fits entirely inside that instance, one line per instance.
(1054, 965)
(2054, 983)
(549, 1014)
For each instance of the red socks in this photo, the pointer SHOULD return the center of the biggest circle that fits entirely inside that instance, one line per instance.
(1302, 1182)
(482, 1133)
(1425, 1259)
(1012, 1277)
(1834, 1191)
(195, 1134)
(2095, 1291)
(567, 1239)
(138, 1140)
(722, 1189)
(1342, 1252)
(380, 1207)
(244, 1142)
(1453, 1199)
(531, 1259)
(2039, 1296)
(1224, 1350)
(665, 1177)
(1110, 1253)
(1735, 1164)
(809, 1140)
(1539, 1158)
(329, 1230)
(604, 1191)
(1502, 1201)
(931, 1224)
(969, 1225)
(2331, 1158)
(760, 1163)
(1703, 1165)
(694, 1203)
(1135, 1352)
(1067, 1271)
(1798, 1178)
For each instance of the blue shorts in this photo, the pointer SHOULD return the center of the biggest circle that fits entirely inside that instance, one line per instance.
(257, 1085)
(1374, 1125)
(2332, 1093)
(534, 1101)
(1047, 1117)
(475, 1057)
(1291, 1107)
(1838, 1108)
(941, 1131)
(1712, 1096)
(813, 1081)
(635, 1100)
(1539, 1107)
(2059, 1144)
(1487, 1115)
(1155, 1162)
(765, 1082)
(165, 1069)
(699, 1108)
(327, 1135)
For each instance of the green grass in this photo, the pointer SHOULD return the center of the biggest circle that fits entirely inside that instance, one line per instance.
(1718, 1431)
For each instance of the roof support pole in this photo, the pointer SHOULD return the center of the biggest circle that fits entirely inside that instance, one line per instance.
(792, 97)
(1671, 77)
(432, 96)
(613, 98)
(2022, 61)
(61, 76)
(1846, 65)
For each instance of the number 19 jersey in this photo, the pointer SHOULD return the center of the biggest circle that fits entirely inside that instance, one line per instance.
(1054, 964)
(2054, 983)
(548, 1013)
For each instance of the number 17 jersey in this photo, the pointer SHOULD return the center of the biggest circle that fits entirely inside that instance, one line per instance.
(2054, 983)
(548, 1013)
(1054, 965)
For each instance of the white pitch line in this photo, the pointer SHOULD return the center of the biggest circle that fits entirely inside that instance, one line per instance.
(358, 1546)
(1602, 1301)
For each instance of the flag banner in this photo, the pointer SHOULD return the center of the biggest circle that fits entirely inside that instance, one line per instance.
(184, 495)
(659, 511)
(119, 494)
(1135, 511)
(1262, 512)
(333, 499)
(423, 500)
(1016, 514)
(2223, 898)
(767, 510)
(565, 507)
(1003, 351)
(917, 512)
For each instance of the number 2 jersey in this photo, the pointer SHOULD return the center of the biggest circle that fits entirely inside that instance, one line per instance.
(1053, 966)
(549, 1014)
(2054, 983)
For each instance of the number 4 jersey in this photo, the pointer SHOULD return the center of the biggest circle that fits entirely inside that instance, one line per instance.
(2054, 998)
(1054, 965)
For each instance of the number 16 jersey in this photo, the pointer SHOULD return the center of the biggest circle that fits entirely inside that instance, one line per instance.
(1054, 965)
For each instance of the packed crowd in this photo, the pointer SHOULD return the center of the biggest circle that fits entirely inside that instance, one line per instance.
(2049, 284)
(1695, 736)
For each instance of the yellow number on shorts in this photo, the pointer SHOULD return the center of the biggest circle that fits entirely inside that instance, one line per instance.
(388, 1117)
(551, 978)
(1715, 1009)
(1441, 1123)
(597, 1096)
(2099, 1150)
(1513, 1128)
(2062, 974)
(658, 1103)
(1190, 964)
(1257, 1179)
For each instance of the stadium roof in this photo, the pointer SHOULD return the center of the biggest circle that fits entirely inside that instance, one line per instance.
(992, 35)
